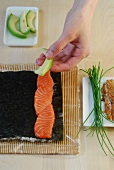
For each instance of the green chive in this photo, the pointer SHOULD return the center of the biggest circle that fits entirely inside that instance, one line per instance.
(95, 75)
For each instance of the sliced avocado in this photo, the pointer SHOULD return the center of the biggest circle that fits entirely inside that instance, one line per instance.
(42, 70)
(45, 67)
(23, 24)
(11, 24)
(31, 15)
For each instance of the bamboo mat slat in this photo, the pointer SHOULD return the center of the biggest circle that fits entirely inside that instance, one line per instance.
(70, 145)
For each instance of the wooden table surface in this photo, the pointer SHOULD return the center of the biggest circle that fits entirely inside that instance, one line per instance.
(51, 20)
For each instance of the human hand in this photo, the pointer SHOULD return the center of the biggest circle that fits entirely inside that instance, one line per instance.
(74, 43)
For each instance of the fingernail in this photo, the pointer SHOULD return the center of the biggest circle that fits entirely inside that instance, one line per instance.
(49, 54)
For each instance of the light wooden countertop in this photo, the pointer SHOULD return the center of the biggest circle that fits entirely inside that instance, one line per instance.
(51, 20)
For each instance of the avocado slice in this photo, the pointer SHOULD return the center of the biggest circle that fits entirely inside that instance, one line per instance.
(31, 15)
(23, 24)
(11, 24)
(42, 70)
(45, 67)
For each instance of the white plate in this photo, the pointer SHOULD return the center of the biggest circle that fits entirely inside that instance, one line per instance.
(88, 102)
(11, 40)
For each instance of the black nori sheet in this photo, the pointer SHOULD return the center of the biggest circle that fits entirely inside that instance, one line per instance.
(17, 113)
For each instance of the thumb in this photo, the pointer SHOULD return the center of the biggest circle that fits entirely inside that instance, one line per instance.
(57, 47)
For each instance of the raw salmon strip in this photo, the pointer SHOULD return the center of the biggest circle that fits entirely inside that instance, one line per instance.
(44, 123)
(43, 97)
(45, 81)
(43, 107)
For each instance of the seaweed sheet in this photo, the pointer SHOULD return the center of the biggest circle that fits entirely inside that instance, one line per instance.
(17, 113)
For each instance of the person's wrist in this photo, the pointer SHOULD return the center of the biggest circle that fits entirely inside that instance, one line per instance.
(85, 6)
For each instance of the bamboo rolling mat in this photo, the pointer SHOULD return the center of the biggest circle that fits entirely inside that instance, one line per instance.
(70, 144)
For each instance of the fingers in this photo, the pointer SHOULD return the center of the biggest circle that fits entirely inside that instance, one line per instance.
(66, 64)
(60, 67)
(57, 47)
(40, 60)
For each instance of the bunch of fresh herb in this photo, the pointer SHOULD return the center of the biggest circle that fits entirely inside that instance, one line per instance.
(95, 75)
